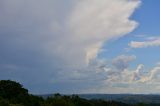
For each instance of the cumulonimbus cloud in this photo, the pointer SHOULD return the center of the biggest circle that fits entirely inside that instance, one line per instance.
(94, 22)
(55, 37)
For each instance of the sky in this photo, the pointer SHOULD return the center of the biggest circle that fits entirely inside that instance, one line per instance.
(81, 46)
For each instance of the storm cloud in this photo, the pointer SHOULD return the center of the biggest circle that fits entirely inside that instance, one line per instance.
(46, 44)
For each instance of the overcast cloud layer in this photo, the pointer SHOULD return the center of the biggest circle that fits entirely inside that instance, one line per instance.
(52, 45)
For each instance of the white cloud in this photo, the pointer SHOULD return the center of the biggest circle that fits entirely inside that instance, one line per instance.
(122, 62)
(92, 23)
(153, 74)
(137, 80)
(152, 41)
(136, 73)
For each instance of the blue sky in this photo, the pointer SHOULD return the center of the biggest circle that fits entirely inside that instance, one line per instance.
(92, 46)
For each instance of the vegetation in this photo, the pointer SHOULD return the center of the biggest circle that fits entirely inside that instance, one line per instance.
(13, 94)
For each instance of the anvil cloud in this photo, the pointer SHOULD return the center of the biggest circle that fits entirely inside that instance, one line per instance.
(47, 43)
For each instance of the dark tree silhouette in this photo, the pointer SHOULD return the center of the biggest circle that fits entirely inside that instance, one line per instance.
(11, 89)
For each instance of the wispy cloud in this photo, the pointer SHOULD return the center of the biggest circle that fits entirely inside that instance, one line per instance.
(150, 42)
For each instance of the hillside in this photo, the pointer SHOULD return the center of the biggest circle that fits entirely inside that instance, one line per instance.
(13, 94)
(126, 98)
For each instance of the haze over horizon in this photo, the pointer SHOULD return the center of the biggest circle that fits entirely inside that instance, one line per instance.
(81, 46)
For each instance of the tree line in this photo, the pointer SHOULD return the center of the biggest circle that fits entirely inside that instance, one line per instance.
(13, 94)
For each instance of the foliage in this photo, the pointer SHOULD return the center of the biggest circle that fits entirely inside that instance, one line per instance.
(10, 89)
(13, 94)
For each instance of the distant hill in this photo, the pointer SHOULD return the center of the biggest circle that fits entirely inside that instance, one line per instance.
(125, 98)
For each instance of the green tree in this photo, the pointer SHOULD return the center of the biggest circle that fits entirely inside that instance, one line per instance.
(141, 104)
(3, 102)
(11, 89)
(16, 95)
